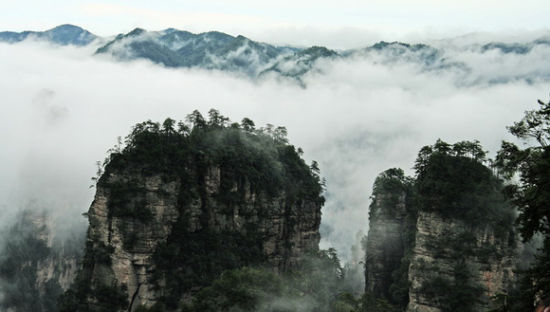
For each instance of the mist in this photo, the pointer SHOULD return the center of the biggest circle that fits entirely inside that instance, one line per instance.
(63, 108)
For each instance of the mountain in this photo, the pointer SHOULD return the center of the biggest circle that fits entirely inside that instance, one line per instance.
(445, 240)
(514, 48)
(211, 50)
(257, 60)
(62, 35)
(404, 52)
(299, 63)
(175, 209)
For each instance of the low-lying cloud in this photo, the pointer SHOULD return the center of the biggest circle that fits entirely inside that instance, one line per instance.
(62, 109)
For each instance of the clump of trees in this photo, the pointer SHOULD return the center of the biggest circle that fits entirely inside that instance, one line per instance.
(453, 180)
(317, 283)
(260, 157)
(530, 192)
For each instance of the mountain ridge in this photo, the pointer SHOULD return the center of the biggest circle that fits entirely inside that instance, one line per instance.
(244, 57)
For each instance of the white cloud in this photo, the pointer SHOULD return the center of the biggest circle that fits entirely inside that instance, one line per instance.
(357, 119)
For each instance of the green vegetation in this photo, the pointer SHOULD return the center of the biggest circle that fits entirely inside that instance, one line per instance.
(390, 188)
(248, 161)
(387, 189)
(18, 267)
(453, 181)
(531, 195)
(316, 284)
(20, 259)
(107, 297)
(458, 293)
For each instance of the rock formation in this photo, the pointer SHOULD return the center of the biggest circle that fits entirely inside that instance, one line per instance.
(444, 241)
(35, 265)
(440, 263)
(390, 217)
(171, 213)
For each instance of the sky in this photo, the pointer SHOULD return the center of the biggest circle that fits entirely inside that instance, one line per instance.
(336, 24)
(63, 108)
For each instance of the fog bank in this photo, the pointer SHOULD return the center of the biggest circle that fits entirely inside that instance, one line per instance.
(63, 108)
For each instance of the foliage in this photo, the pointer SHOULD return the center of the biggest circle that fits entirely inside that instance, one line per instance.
(315, 284)
(248, 161)
(260, 158)
(244, 289)
(532, 163)
(393, 197)
(20, 260)
(106, 297)
(126, 199)
(191, 259)
(532, 192)
(453, 181)
(387, 189)
(459, 293)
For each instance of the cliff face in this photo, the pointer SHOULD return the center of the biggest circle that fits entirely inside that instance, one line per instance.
(36, 266)
(172, 212)
(445, 241)
(440, 264)
(286, 231)
(385, 246)
(132, 242)
(390, 215)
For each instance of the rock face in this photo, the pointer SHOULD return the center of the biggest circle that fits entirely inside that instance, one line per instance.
(287, 231)
(132, 242)
(444, 241)
(488, 266)
(386, 238)
(164, 225)
(36, 266)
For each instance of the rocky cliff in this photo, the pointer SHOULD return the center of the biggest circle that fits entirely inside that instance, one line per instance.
(391, 217)
(36, 266)
(445, 240)
(176, 208)
(454, 257)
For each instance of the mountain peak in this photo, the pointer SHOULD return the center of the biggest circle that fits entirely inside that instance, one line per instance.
(65, 34)
(135, 32)
(66, 27)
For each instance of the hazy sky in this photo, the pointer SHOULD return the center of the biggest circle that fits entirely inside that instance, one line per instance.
(296, 22)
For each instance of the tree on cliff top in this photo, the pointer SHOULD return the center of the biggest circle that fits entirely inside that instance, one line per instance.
(452, 180)
(262, 157)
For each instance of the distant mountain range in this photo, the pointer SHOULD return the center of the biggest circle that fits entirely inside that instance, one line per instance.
(240, 55)
(63, 35)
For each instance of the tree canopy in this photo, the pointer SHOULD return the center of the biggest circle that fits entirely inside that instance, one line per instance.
(531, 193)
(532, 164)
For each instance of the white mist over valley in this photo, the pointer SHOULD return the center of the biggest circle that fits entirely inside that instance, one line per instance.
(63, 107)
